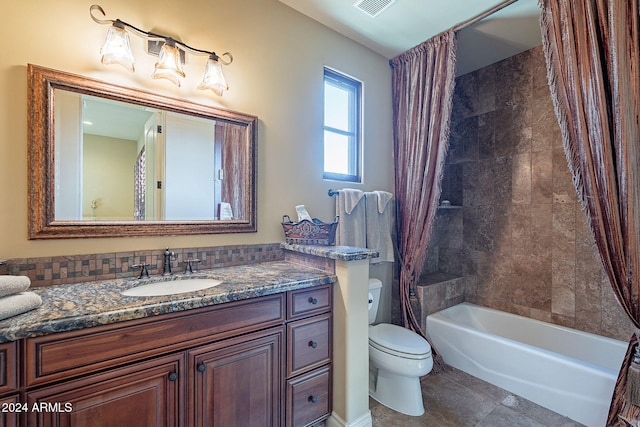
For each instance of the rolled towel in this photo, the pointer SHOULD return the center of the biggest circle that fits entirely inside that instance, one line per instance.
(13, 305)
(10, 285)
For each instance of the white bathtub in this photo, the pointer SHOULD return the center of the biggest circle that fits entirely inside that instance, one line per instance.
(568, 371)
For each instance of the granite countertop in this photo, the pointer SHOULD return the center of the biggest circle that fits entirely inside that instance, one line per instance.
(82, 305)
(341, 253)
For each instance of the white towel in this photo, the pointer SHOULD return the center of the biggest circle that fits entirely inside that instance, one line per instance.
(225, 211)
(10, 285)
(13, 305)
(352, 225)
(379, 225)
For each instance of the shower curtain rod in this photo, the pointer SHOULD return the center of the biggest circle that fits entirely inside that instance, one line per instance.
(482, 15)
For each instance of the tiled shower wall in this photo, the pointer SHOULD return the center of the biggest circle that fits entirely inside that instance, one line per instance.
(519, 239)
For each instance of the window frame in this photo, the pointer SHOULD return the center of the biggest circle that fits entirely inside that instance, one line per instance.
(354, 133)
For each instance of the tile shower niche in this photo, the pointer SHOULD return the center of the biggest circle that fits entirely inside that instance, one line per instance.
(441, 283)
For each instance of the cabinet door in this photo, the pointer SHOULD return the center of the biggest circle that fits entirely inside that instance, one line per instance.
(144, 394)
(8, 367)
(237, 382)
(11, 410)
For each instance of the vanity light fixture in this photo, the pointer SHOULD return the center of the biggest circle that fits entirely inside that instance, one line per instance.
(171, 54)
(169, 65)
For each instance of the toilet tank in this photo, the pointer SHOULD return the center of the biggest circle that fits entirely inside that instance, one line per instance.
(375, 288)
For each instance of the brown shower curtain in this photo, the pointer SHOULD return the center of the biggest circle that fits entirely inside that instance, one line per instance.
(592, 55)
(423, 80)
(234, 157)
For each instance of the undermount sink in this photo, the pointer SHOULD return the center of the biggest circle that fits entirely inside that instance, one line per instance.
(171, 287)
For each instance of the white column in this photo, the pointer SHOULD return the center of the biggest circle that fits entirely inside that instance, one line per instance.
(351, 345)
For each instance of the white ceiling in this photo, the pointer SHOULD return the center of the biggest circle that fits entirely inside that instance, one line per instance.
(100, 114)
(407, 23)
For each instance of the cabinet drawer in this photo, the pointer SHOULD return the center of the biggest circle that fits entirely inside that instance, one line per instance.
(309, 344)
(8, 367)
(306, 302)
(66, 354)
(309, 398)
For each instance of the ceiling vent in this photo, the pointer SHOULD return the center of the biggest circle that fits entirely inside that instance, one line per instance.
(372, 8)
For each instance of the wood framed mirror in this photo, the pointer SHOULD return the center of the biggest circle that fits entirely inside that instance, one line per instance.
(110, 161)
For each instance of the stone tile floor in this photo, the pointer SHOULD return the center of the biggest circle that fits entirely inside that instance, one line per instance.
(456, 399)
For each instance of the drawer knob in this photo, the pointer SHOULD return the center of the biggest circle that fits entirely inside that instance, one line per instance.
(202, 367)
(313, 399)
(313, 300)
(173, 376)
(313, 344)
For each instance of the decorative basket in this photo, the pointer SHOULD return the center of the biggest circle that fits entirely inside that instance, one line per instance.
(314, 232)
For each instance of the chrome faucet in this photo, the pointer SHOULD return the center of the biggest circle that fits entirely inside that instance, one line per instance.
(144, 269)
(166, 264)
(188, 265)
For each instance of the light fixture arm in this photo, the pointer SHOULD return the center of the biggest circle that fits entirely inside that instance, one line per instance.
(153, 36)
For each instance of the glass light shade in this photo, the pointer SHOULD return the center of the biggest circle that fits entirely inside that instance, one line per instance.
(213, 78)
(169, 66)
(117, 48)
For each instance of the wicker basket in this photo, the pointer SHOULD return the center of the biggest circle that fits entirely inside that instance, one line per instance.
(310, 232)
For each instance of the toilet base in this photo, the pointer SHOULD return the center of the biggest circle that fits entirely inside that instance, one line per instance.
(400, 393)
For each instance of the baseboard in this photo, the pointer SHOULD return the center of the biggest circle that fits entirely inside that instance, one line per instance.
(364, 421)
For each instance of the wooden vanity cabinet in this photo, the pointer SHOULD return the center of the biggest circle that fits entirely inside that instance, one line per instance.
(9, 417)
(9, 386)
(237, 382)
(8, 368)
(309, 353)
(64, 355)
(263, 361)
(144, 394)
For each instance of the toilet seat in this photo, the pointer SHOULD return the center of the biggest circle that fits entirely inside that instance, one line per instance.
(398, 341)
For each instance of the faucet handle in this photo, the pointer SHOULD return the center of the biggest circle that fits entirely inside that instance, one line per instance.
(144, 272)
(188, 268)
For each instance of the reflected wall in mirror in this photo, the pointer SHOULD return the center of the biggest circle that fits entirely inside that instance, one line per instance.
(108, 161)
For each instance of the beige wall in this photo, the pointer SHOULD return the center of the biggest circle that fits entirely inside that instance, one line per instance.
(276, 75)
(107, 177)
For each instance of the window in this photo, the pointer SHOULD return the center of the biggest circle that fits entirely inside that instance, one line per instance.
(342, 112)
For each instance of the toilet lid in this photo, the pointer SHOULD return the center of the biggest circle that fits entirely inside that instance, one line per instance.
(398, 339)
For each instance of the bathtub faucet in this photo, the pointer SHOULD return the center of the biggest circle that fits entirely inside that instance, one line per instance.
(166, 264)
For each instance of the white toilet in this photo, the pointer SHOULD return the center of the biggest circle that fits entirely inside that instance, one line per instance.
(398, 357)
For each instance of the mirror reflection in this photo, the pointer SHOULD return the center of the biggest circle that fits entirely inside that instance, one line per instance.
(107, 161)
(120, 161)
